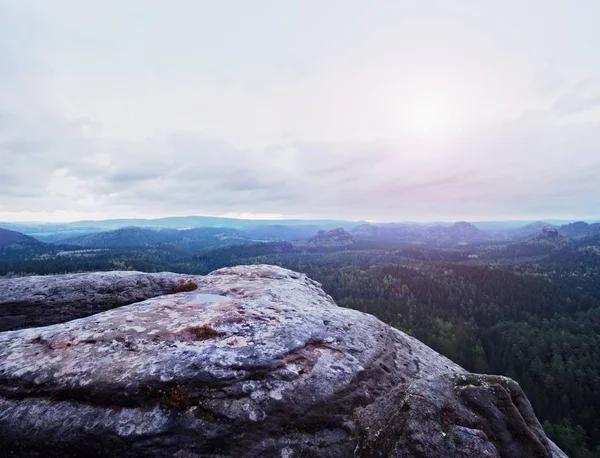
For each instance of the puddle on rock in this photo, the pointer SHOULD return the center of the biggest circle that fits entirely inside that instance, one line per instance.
(205, 298)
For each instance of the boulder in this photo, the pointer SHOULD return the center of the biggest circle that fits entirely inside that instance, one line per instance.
(256, 362)
(43, 300)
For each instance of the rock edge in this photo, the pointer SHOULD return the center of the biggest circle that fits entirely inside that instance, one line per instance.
(258, 361)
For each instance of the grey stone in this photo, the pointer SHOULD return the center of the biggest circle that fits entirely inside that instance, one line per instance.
(258, 361)
(453, 415)
(43, 300)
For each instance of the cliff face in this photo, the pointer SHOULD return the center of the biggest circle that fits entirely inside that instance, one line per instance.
(257, 361)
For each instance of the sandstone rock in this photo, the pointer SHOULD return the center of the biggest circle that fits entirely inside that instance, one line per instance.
(549, 233)
(258, 361)
(576, 230)
(44, 300)
(335, 237)
(454, 415)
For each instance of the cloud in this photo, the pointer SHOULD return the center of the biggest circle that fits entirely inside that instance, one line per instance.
(88, 123)
(584, 96)
(521, 168)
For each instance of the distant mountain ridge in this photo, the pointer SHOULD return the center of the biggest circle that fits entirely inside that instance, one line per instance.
(301, 231)
(459, 232)
(128, 236)
(196, 238)
(178, 222)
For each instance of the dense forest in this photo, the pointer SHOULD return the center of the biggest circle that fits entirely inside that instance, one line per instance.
(528, 310)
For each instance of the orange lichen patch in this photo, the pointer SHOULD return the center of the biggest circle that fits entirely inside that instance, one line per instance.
(204, 332)
(305, 358)
(185, 286)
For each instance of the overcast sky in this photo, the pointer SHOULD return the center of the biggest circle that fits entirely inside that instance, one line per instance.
(379, 110)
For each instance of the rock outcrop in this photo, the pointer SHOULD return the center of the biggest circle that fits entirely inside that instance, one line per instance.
(44, 300)
(256, 362)
(549, 233)
(335, 237)
(459, 232)
(576, 230)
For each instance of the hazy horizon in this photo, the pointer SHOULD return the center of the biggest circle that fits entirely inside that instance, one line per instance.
(380, 111)
(250, 217)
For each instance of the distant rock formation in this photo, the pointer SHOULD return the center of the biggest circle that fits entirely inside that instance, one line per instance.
(549, 233)
(335, 237)
(388, 232)
(528, 231)
(457, 232)
(576, 230)
(464, 231)
(257, 361)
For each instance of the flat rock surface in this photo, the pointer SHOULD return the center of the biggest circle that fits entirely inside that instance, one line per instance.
(258, 361)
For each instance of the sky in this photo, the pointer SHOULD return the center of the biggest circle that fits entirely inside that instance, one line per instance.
(380, 110)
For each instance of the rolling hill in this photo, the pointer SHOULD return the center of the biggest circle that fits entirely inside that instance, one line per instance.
(14, 238)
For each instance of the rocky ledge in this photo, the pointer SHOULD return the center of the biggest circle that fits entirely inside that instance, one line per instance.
(44, 300)
(256, 362)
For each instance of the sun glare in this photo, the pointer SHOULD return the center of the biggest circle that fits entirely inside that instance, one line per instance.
(433, 116)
